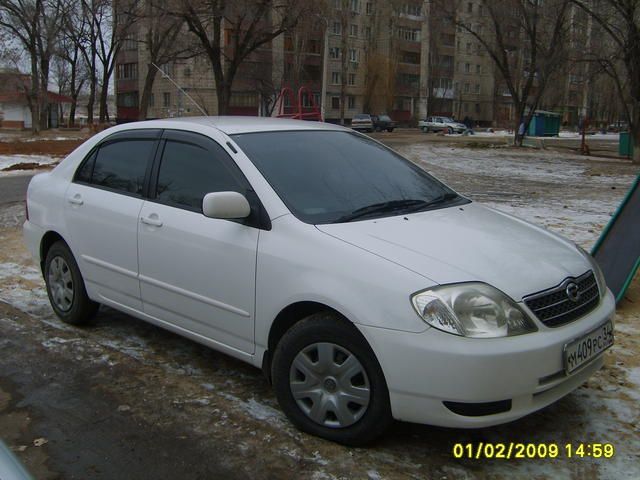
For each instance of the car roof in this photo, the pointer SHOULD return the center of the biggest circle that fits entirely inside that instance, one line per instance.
(235, 125)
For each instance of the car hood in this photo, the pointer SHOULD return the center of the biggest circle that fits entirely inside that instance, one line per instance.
(468, 243)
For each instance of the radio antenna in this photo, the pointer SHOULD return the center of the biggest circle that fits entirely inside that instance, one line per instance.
(166, 75)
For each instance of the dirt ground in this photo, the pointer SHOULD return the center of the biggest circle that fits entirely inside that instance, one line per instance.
(121, 398)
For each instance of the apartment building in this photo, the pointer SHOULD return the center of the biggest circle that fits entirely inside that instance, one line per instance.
(405, 58)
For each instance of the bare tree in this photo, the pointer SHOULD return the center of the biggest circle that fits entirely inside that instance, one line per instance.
(230, 31)
(526, 41)
(619, 20)
(36, 25)
(71, 51)
(161, 33)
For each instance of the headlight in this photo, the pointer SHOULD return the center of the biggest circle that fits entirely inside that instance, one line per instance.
(472, 310)
(602, 284)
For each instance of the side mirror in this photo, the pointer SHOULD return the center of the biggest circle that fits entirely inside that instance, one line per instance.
(225, 205)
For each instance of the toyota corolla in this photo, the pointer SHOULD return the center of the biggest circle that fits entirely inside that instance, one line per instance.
(365, 288)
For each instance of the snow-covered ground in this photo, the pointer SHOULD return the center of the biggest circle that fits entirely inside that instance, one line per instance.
(10, 160)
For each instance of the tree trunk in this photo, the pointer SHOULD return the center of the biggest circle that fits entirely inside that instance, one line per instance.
(223, 92)
(91, 100)
(72, 111)
(146, 92)
(104, 96)
(634, 134)
(34, 96)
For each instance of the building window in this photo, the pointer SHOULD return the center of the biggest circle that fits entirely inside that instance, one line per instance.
(351, 102)
(477, 88)
(478, 108)
(336, 78)
(129, 42)
(129, 99)
(411, 9)
(355, 6)
(353, 55)
(369, 8)
(127, 71)
(467, 68)
(466, 88)
(367, 31)
(334, 52)
(469, 7)
(166, 99)
(352, 79)
(335, 103)
(353, 31)
(337, 28)
(409, 34)
(152, 99)
(468, 47)
(478, 69)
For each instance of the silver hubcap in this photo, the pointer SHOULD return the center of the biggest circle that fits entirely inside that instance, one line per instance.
(60, 283)
(329, 385)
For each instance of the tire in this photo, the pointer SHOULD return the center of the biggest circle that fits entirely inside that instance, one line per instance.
(450, 131)
(378, 129)
(71, 304)
(425, 129)
(389, 130)
(364, 419)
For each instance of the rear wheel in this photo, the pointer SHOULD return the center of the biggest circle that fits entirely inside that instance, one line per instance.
(425, 129)
(329, 383)
(65, 286)
(389, 130)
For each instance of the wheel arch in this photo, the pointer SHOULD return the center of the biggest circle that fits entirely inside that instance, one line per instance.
(48, 239)
(287, 318)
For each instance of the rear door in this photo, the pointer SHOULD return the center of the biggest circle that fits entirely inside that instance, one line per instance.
(197, 273)
(101, 210)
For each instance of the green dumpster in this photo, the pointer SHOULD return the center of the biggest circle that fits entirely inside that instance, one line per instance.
(544, 124)
(625, 149)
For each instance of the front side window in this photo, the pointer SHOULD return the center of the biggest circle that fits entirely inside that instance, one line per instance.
(188, 172)
(120, 165)
(327, 177)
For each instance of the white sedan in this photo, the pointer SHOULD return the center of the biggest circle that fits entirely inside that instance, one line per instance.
(366, 289)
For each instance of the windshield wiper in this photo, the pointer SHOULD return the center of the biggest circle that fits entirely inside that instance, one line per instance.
(405, 206)
(382, 207)
(445, 197)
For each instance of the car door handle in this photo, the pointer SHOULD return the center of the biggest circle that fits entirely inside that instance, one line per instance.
(154, 222)
(76, 199)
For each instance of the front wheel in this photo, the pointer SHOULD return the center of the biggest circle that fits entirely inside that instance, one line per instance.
(65, 286)
(450, 131)
(329, 383)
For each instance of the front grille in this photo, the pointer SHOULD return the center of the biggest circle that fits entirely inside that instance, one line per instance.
(553, 307)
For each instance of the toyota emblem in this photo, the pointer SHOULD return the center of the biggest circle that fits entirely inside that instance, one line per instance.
(573, 292)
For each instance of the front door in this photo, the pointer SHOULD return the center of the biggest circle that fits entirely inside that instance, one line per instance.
(197, 273)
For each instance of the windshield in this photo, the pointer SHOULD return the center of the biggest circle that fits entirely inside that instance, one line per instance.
(385, 118)
(332, 176)
(362, 117)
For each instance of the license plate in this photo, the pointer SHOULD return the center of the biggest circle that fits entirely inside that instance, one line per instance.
(587, 347)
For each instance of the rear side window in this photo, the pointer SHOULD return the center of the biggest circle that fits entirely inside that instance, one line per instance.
(122, 165)
(188, 172)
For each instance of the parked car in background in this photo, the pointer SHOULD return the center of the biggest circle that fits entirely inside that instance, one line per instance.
(439, 124)
(362, 122)
(365, 288)
(383, 122)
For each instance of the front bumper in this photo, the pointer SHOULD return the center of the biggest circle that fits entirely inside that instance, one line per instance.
(426, 369)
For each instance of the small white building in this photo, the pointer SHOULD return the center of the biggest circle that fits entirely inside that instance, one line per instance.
(14, 106)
